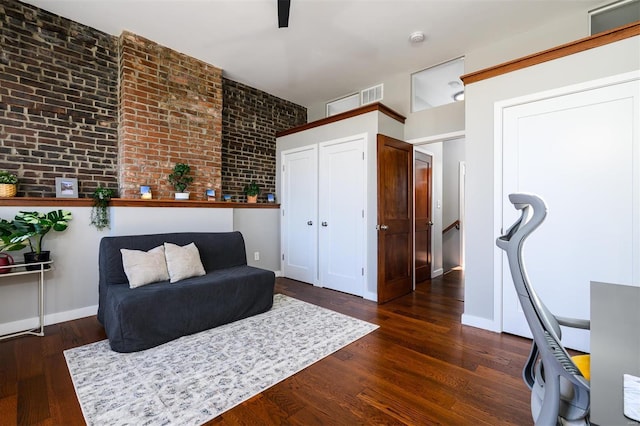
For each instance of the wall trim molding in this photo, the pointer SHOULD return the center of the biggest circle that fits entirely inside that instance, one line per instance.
(601, 39)
(443, 137)
(53, 318)
(377, 106)
(479, 322)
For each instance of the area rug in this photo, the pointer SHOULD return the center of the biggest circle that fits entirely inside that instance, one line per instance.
(195, 378)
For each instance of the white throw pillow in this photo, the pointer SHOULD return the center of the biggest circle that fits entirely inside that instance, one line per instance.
(144, 267)
(183, 262)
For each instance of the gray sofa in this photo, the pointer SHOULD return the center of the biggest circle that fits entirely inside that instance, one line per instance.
(140, 318)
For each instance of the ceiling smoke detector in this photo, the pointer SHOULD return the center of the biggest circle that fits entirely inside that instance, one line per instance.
(416, 37)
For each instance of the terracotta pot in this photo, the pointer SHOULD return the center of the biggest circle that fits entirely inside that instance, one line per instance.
(5, 260)
(252, 198)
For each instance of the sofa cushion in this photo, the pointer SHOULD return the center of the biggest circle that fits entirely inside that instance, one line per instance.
(144, 267)
(183, 262)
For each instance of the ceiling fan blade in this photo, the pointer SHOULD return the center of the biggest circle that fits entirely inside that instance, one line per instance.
(283, 13)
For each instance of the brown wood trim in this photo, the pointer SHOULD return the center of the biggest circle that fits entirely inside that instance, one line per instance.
(133, 202)
(125, 202)
(344, 115)
(39, 201)
(455, 224)
(616, 34)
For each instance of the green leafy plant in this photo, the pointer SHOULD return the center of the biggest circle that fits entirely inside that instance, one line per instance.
(100, 211)
(31, 227)
(8, 178)
(7, 229)
(252, 189)
(180, 178)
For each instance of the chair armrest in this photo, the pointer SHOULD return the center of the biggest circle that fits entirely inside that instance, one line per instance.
(574, 322)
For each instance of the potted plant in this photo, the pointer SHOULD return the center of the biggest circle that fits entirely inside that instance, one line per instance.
(252, 191)
(6, 230)
(31, 227)
(180, 179)
(8, 182)
(100, 210)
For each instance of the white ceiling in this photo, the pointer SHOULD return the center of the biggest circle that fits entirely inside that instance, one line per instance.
(331, 48)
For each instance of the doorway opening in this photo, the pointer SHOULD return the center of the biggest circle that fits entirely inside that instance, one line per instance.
(422, 217)
(446, 200)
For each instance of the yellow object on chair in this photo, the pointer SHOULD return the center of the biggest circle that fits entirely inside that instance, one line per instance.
(583, 362)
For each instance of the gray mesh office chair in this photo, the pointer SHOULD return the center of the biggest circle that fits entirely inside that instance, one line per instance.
(559, 390)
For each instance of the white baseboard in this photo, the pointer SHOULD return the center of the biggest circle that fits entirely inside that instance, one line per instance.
(54, 318)
(278, 273)
(437, 272)
(370, 295)
(479, 322)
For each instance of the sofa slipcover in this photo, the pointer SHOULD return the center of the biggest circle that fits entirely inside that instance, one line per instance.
(144, 317)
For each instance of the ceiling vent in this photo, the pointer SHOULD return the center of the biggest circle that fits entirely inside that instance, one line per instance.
(370, 95)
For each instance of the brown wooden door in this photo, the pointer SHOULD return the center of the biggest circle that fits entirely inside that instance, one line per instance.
(423, 216)
(395, 218)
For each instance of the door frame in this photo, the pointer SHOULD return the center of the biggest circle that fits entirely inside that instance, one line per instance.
(497, 324)
(462, 176)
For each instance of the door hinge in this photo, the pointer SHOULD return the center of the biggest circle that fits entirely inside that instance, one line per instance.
(363, 213)
(282, 256)
(363, 272)
(363, 155)
(283, 168)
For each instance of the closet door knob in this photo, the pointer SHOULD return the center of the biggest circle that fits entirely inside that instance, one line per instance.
(310, 223)
(324, 224)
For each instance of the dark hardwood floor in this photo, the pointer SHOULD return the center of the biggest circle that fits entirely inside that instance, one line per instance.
(421, 367)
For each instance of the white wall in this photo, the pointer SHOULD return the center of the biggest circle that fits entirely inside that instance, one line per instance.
(71, 289)
(450, 118)
(482, 159)
(261, 231)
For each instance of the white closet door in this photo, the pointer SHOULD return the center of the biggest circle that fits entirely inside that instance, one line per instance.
(579, 152)
(299, 208)
(341, 215)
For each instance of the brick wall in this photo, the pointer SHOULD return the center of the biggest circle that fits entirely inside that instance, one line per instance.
(59, 112)
(58, 101)
(250, 120)
(170, 112)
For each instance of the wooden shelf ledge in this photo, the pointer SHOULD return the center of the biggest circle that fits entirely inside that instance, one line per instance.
(124, 202)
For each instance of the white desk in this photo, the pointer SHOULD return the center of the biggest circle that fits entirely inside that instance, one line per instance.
(615, 349)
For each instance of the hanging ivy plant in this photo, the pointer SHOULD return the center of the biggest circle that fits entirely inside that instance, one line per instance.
(100, 211)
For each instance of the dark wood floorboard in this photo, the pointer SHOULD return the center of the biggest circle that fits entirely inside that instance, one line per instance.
(421, 367)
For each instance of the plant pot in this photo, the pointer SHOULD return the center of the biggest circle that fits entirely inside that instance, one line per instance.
(5, 260)
(8, 190)
(33, 257)
(252, 198)
(182, 195)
